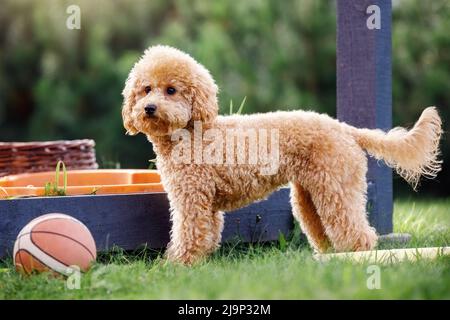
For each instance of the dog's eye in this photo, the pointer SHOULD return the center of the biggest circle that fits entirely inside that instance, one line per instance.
(147, 89)
(171, 90)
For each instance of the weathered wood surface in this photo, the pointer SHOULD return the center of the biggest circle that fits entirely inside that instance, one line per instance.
(364, 90)
(132, 220)
(386, 256)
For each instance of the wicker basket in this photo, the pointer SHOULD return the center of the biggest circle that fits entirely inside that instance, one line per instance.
(22, 157)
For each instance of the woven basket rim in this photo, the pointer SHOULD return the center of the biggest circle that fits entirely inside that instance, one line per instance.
(46, 143)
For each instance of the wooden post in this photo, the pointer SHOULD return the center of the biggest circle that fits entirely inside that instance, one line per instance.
(364, 89)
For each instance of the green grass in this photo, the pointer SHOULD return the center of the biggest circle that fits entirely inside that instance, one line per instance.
(276, 271)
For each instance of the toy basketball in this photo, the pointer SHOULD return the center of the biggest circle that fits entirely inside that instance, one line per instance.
(54, 242)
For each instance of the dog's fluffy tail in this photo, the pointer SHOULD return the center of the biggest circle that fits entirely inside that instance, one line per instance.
(412, 153)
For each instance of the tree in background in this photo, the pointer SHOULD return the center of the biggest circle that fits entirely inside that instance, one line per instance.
(57, 83)
(421, 71)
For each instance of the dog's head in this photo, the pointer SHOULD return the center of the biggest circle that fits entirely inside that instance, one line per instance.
(167, 90)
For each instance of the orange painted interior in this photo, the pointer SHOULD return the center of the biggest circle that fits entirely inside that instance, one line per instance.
(83, 182)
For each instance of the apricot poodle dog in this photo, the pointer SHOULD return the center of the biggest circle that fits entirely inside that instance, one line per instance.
(324, 160)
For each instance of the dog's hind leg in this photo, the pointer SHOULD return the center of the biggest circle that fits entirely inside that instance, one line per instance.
(305, 212)
(345, 221)
(336, 180)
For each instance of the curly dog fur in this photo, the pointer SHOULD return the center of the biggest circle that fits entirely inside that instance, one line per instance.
(322, 159)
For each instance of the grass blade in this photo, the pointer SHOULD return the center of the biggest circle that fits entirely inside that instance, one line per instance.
(241, 107)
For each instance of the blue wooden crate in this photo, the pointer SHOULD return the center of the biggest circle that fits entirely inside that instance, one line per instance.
(132, 220)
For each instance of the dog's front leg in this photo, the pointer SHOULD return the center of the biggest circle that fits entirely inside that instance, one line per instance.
(196, 228)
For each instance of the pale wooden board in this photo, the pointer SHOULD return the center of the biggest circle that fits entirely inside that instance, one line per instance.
(386, 256)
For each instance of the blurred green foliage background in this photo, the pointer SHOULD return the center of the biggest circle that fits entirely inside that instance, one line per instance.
(57, 83)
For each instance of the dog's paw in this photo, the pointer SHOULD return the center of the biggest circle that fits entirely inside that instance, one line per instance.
(182, 256)
(367, 241)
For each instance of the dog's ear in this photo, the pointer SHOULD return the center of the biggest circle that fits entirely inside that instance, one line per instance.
(204, 102)
(129, 99)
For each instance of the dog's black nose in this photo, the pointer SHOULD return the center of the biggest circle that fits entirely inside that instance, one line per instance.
(150, 109)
